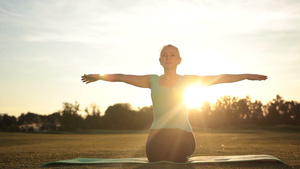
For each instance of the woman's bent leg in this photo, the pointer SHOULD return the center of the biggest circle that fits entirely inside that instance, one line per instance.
(170, 145)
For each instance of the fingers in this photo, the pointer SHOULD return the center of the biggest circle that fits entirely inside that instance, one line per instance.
(85, 79)
(262, 77)
(259, 77)
(88, 78)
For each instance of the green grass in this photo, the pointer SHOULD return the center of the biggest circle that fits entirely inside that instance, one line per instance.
(23, 150)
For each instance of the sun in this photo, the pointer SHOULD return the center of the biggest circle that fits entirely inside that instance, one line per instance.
(194, 96)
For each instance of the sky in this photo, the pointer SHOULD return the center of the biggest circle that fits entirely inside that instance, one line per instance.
(46, 46)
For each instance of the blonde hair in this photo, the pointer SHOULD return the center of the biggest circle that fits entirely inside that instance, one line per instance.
(169, 45)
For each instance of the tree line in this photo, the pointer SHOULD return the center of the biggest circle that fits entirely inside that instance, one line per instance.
(227, 111)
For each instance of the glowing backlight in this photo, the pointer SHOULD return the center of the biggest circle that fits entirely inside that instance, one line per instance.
(194, 96)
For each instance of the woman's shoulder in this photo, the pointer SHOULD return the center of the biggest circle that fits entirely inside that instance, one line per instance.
(153, 77)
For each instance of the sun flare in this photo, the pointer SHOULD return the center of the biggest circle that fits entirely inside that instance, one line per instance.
(194, 96)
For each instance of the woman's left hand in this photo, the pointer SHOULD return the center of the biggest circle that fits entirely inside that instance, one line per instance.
(90, 78)
(256, 77)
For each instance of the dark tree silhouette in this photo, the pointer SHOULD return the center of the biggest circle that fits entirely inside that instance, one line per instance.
(257, 113)
(143, 118)
(8, 123)
(51, 122)
(70, 119)
(296, 113)
(275, 111)
(93, 119)
(227, 111)
(224, 113)
(119, 116)
(122, 116)
(29, 118)
(241, 109)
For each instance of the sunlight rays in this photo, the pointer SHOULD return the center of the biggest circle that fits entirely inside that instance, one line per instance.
(194, 96)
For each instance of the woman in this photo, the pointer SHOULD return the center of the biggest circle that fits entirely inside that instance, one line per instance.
(171, 137)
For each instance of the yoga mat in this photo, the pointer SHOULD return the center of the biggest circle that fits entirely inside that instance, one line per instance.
(193, 160)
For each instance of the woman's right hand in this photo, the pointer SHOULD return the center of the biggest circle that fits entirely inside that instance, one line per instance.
(90, 78)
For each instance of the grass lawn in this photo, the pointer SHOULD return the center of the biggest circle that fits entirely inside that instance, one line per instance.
(24, 150)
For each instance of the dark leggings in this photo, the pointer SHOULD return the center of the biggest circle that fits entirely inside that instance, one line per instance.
(170, 145)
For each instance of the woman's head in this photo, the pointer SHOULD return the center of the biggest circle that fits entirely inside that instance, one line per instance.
(169, 46)
(169, 56)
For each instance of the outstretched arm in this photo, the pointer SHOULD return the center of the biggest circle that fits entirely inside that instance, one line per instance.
(225, 78)
(139, 81)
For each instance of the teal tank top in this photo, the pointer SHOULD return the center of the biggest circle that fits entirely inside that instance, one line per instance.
(169, 108)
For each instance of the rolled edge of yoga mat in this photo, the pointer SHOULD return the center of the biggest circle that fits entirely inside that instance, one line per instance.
(193, 160)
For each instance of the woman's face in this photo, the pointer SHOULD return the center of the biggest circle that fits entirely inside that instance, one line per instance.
(169, 57)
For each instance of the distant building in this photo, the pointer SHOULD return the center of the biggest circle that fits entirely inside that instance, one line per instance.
(34, 127)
